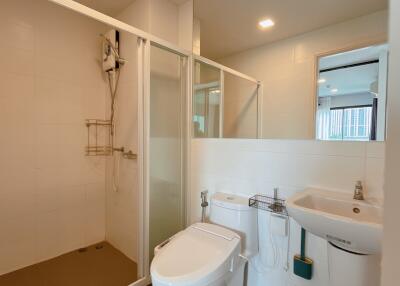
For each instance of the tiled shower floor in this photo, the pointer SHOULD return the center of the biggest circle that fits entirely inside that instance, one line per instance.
(96, 265)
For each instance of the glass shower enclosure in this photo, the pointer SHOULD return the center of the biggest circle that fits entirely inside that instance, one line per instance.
(167, 113)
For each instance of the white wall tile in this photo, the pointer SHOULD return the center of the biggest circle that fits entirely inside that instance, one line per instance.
(376, 149)
(374, 176)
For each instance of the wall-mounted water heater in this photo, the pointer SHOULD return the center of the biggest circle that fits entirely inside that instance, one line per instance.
(111, 50)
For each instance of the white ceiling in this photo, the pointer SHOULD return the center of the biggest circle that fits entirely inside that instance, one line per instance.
(230, 26)
(351, 80)
(113, 7)
(353, 56)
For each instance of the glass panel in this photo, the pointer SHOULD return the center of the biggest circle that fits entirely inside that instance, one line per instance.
(240, 107)
(206, 101)
(167, 87)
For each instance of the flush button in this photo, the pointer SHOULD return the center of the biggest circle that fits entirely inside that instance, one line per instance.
(356, 210)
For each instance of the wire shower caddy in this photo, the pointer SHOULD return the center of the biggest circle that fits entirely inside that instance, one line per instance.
(99, 139)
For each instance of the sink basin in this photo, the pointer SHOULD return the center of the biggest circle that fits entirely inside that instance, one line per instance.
(347, 223)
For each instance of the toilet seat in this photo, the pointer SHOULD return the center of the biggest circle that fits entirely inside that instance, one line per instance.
(198, 255)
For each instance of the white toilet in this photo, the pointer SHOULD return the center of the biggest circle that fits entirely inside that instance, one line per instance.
(210, 254)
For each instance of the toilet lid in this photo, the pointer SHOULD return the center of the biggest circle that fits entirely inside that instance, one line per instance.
(200, 254)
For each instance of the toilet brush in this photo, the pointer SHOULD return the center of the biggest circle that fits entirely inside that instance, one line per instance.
(302, 266)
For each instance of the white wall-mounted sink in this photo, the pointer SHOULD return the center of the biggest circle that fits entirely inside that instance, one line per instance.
(337, 217)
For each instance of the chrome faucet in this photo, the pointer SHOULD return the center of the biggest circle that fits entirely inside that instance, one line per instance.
(204, 205)
(358, 191)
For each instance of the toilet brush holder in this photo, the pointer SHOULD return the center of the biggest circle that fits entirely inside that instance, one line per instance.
(302, 266)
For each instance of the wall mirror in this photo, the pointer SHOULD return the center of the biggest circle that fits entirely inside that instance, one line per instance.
(291, 48)
(351, 95)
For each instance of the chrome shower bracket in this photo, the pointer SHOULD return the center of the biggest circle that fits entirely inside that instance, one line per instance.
(127, 155)
(204, 205)
(121, 149)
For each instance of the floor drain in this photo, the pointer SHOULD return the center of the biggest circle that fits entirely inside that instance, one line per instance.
(100, 246)
(84, 249)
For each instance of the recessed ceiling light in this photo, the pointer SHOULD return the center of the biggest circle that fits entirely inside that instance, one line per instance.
(321, 80)
(334, 90)
(266, 23)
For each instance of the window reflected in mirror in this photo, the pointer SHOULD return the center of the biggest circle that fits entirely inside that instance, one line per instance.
(351, 95)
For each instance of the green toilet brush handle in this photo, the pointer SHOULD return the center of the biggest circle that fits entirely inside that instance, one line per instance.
(302, 265)
(303, 244)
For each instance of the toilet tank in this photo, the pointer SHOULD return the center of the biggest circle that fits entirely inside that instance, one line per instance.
(233, 212)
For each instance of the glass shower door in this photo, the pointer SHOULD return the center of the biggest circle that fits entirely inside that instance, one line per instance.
(167, 114)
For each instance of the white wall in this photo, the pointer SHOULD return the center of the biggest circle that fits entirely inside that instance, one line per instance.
(172, 22)
(196, 36)
(162, 18)
(186, 26)
(391, 238)
(249, 167)
(51, 194)
(287, 70)
(136, 14)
